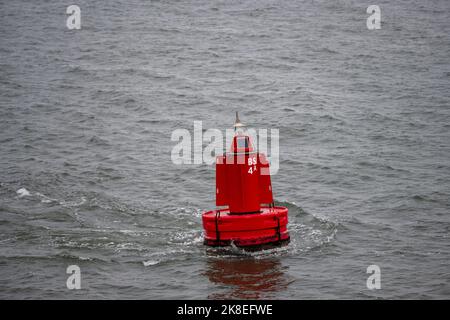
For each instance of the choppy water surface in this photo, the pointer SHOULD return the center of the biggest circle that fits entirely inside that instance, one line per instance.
(86, 119)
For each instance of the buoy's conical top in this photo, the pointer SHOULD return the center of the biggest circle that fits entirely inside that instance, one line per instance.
(237, 122)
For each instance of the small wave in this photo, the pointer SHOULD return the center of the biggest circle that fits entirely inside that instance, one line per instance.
(292, 206)
(328, 50)
(181, 211)
(94, 140)
(186, 238)
(169, 254)
(308, 232)
(22, 192)
(150, 263)
(434, 197)
(72, 204)
(71, 256)
(44, 198)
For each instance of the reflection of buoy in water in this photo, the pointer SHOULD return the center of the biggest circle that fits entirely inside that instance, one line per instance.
(251, 220)
(246, 278)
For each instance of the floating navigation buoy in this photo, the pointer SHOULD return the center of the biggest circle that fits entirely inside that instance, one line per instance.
(249, 219)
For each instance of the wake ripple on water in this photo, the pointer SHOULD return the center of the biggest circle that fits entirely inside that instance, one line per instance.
(307, 233)
(177, 230)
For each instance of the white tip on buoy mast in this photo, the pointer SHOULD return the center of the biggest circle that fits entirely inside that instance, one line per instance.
(238, 123)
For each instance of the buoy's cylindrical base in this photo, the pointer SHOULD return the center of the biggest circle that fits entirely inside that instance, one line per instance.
(251, 231)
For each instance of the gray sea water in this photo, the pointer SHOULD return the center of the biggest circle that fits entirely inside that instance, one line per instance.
(86, 118)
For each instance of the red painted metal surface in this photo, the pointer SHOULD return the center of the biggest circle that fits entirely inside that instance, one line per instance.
(243, 185)
(270, 226)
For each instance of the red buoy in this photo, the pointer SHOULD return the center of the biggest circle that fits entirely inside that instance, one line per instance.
(249, 220)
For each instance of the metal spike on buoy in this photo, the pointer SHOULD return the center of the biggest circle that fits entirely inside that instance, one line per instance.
(237, 122)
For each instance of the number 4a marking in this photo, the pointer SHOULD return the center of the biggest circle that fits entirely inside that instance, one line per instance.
(252, 169)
